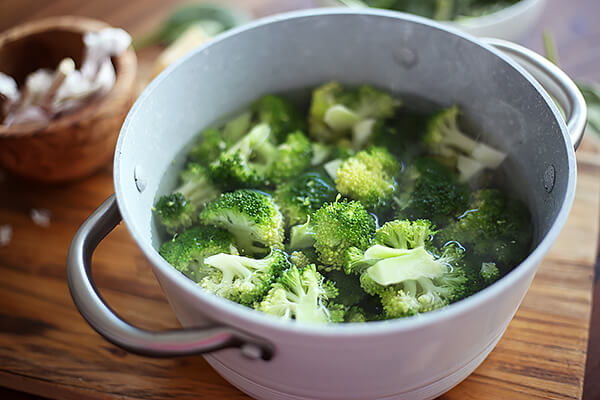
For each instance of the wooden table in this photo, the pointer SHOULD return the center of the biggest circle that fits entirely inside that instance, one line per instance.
(47, 349)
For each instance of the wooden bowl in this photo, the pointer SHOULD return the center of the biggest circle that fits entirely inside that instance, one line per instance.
(76, 144)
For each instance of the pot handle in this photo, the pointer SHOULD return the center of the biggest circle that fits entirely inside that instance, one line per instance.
(179, 342)
(562, 88)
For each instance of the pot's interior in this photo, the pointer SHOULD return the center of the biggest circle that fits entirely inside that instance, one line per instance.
(402, 54)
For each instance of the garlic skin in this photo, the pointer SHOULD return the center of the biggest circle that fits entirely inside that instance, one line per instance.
(47, 93)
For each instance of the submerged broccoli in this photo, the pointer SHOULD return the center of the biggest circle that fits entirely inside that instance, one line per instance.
(494, 226)
(300, 197)
(290, 158)
(445, 138)
(208, 147)
(334, 228)
(401, 134)
(369, 177)
(236, 128)
(300, 259)
(178, 210)
(303, 294)
(355, 314)
(255, 161)
(187, 251)
(242, 279)
(281, 115)
(349, 285)
(408, 279)
(489, 272)
(430, 190)
(243, 165)
(336, 112)
(363, 157)
(251, 216)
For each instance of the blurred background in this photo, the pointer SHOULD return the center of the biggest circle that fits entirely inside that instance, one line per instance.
(573, 25)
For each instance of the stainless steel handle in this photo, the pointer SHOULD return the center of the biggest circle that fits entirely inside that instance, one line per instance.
(554, 80)
(105, 321)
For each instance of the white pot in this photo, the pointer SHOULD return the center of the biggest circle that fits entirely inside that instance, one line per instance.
(412, 358)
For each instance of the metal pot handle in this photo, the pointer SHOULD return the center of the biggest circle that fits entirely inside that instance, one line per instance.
(180, 342)
(562, 88)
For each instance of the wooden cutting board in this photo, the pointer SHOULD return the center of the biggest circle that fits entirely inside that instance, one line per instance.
(47, 349)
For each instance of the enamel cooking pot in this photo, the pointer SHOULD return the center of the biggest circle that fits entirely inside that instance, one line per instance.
(413, 358)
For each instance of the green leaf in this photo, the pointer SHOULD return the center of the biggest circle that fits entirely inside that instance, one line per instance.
(213, 18)
(591, 94)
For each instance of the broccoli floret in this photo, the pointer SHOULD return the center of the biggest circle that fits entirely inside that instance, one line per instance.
(489, 272)
(235, 129)
(291, 157)
(281, 115)
(336, 112)
(302, 236)
(430, 190)
(302, 294)
(187, 251)
(174, 212)
(208, 147)
(242, 165)
(251, 216)
(355, 314)
(495, 227)
(369, 177)
(349, 286)
(242, 279)
(444, 137)
(300, 197)
(333, 229)
(402, 134)
(408, 278)
(254, 160)
(299, 259)
(178, 210)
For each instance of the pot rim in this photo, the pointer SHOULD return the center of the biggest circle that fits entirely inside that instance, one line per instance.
(238, 315)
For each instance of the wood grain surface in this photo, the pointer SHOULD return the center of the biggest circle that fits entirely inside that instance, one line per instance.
(47, 349)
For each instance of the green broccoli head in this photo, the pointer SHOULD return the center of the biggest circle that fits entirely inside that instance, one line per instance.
(302, 294)
(281, 115)
(355, 314)
(251, 216)
(292, 157)
(408, 278)
(431, 190)
(208, 147)
(421, 291)
(401, 134)
(300, 259)
(445, 138)
(188, 250)
(495, 227)
(338, 226)
(336, 112)
(303, 195)
(174, 212)
(178, 210)
(369, 177)
(349, 286)
(242, 165)
(196, 185)
(242, 279)
(405, 234)
(489, 272)
(236, 128)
